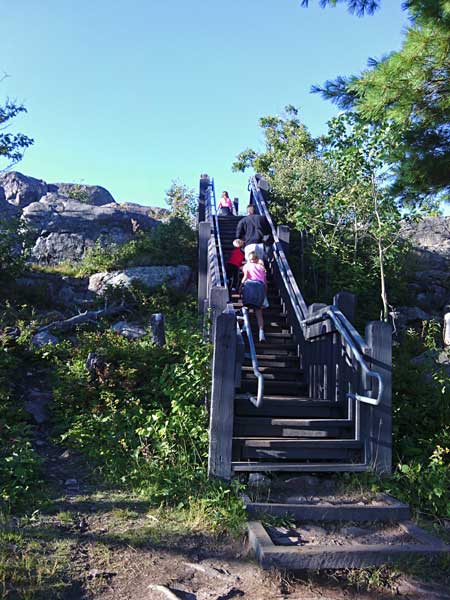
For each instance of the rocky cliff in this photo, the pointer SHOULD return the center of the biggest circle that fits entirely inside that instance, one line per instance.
(66, 219)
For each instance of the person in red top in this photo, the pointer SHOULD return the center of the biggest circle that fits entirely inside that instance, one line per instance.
(234, 264)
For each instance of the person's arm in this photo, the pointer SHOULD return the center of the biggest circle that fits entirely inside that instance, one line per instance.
(240, 230)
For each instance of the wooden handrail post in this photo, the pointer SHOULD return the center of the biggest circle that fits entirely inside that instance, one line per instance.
(218, 300)
(204, 233)
(379, 340)
(346, 303)
(222, 397)
(284, 235)
(204, 184)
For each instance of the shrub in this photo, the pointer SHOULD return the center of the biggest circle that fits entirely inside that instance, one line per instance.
(19, 463)
(141, 418)
(170, 243)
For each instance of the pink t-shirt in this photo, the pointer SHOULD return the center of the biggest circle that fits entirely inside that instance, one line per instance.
(225, 203)
(255, 272)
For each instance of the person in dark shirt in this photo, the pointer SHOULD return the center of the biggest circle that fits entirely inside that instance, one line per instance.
(252, 230)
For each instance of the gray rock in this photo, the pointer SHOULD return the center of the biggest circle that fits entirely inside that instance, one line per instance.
(88, 194)
(43, 338)
(404, 315)
(21, 190)
(351, 531)
(131, 331)
(258, 480)
(304, 484)
(176, 278)
(66, 228)
(71, 482)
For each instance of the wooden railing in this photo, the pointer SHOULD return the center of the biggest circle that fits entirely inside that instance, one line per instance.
(338, 363)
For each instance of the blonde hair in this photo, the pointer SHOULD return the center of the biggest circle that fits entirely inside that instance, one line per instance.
(253, 257)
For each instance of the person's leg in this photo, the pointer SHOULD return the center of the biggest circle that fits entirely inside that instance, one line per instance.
(260, 321)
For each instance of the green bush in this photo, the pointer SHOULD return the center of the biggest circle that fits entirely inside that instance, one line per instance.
(421, 425)
(170, 243)
(141, 417)
(19, 464)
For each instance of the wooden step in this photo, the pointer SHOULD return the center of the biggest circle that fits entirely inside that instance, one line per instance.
(296, 428)
(271, 360)
(289, 449)
(311, 467)
(285, 387)
(275, 373)
(287, 406)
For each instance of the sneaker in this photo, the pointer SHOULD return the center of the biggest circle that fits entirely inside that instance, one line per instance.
(262, 337)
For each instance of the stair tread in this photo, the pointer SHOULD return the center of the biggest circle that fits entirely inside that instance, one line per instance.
(325, 422)
(315, 443)
(288, 398)
(311, 467)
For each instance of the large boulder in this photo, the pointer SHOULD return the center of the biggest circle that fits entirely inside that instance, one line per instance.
(66, 228)
(21, 190)
(88, 194)
(430, 239)
(176, 278)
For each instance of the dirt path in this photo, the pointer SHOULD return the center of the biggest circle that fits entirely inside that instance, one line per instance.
(94, 542)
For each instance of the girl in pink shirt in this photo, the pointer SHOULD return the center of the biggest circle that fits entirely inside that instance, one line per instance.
(225, 205)
(254, 289)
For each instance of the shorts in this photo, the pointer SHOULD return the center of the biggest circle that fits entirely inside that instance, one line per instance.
(258, 248)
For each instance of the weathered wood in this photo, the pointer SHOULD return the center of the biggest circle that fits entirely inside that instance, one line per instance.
(84, 317)
(240, 357)
(204, 233)
(346, 303)
(395, 511)
(251, 466)
(284, 235)
(157, 324)
(204, 186)
(222, 397)
(379, 340)
(218, 300)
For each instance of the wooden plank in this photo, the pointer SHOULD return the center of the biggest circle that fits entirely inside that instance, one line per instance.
(346, 303)
(379, 340)
(222, 397)
(284, 235)
(337, 512)
(204, 233)
(327, 556)
(251, 466)
(158, 329)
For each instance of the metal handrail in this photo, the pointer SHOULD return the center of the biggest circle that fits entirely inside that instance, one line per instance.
(219, 241)
(295, 294)
(339, 319)
(258, 401)
(343, 326)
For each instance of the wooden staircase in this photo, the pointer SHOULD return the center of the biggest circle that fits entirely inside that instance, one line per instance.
(290, 431)
(326, 404)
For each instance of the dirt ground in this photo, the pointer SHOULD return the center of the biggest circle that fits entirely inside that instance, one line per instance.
(103, 544)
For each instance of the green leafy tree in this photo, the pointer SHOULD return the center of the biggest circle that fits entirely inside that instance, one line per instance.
(182, 201)
(12, 145)
(409, 90)
(335, 188)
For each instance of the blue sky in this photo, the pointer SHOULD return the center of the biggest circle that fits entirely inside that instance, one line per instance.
(131, 95)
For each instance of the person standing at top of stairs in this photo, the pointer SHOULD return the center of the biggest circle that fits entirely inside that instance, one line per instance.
(225, 205)
(252, 230)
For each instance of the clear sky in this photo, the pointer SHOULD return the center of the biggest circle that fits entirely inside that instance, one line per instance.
(133, 94)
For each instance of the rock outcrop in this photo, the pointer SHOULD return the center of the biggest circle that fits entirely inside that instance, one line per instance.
(66, 228)
(69, 218)
(429, 270)
(21, 190)
(88, 194)
(176, 278)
